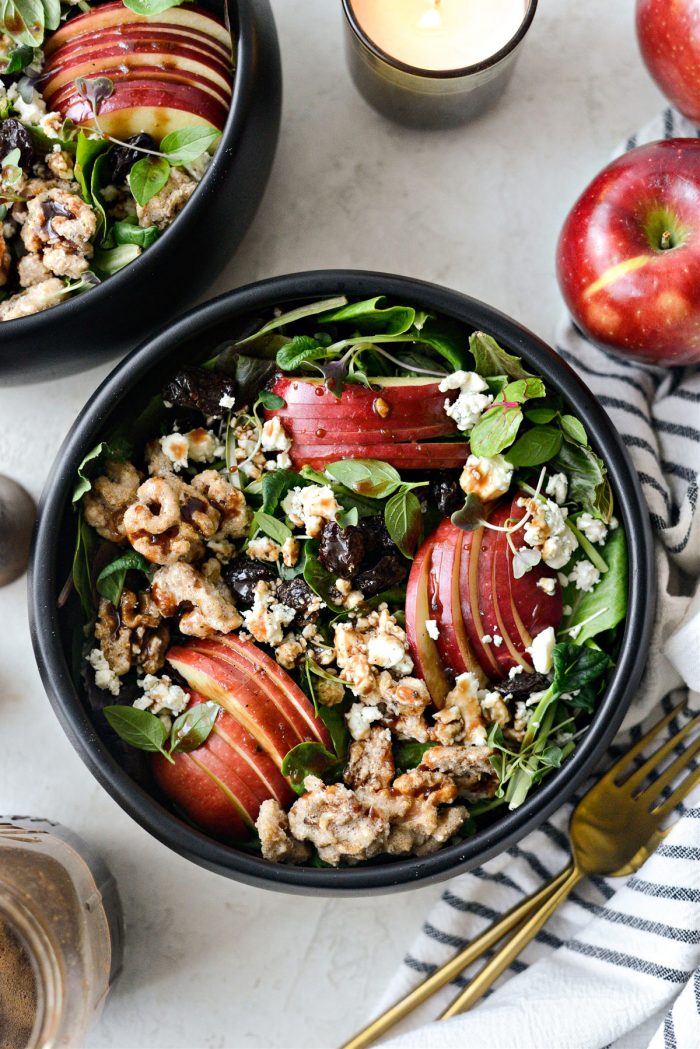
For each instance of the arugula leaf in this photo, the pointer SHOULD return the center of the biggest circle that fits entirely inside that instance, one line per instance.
(536, 446)
(110, 581)
(586, 472)
(300, 350)
(404, 521)
(138, 728)
(193, 727)
(607, 602)
(82, 567)
(492, 359)
(128, 233)
(300, 313)
(310, 759)
(368, 477)
(188, 143)
(264, 522)
(147, 177)
(108, 261)
(408, 755)
(370, 316)
(495, 430)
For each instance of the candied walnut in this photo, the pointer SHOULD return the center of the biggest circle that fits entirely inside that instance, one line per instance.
(461, 719)
(424, 829)
(33, 300)
(469, 767)
(60, 164)
(207, 603)
(408, 696)
(290, 652)
(432, 786)
(334, 820)
(200, 389)
(409, 726)
(371, 762)
(276, 840)
(59, 227)
(169, 521)
(111, 493)
(329, 693)
(5, 260)
(31, 270)
(133, 634)
(169, 202)
(229, 501)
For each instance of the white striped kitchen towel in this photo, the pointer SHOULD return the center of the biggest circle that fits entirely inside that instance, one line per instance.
(619, 963)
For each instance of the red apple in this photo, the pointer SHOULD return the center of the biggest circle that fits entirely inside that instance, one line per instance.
(456, 652)
(496, 600)
(669, 37)
(424, 651)
(126, 36)
(398, 403)
(202, 796)
(628, 259)
(144, 105)
(65, 93)
(409, 456)
(536, 609)
(107, 16)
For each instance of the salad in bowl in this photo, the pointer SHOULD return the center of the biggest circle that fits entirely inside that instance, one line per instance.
(352, 582)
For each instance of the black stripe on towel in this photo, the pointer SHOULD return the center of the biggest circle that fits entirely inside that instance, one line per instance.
(665, 892)
(629, 961)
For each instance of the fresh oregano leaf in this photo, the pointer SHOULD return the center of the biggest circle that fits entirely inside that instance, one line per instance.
(277, 530)
(110, 581)
(404, 521)
(138, 728)
(310, 759)
(16, 60)
(147, 177)
(574, 429)
(271, 401)
(188, 144)
(536, 446)
(193, 727)
(372, 478)
(348, 517)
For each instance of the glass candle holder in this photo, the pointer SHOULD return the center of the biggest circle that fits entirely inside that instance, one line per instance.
(386, 62)
(61, 932)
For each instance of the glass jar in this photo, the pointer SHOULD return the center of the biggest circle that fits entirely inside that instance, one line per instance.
(61, 935)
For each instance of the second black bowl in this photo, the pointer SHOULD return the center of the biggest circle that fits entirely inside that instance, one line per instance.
(170, 275)
(190, 339)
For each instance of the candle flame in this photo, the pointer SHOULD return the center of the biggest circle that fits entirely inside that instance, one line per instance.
(432, 19)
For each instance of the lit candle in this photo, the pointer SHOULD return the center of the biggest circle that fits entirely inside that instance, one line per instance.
(434, 62)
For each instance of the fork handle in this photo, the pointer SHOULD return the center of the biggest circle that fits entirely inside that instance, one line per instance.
(454, 966)
(512, 948)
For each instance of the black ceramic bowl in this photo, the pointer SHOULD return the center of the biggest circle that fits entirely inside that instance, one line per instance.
(170, 275)
(141, 374)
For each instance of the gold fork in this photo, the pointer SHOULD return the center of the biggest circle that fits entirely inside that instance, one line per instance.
(613, 829)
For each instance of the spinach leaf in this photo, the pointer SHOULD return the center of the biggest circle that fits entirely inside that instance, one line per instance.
(492, 359)
(249, 373)
(108, 261)
(188, 143)
(495, 430)
(372, 316)
(110, 581)
(368, 477)
(128, 233)
(606, 605)
(408, 755)
(16, 60)
(404, 521)
(334, 720)
(193, 727)
(86, 153)
(138, 728)
(82, 567)
(147, 177)
(541, 416)
(576, 666)
(275, 486)
(310, 759)
(84, 484)
(319, 578)
(300, 313)
(586, 472)
(536, 446)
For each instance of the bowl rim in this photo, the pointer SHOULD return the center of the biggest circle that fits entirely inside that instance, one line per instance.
(384, 875)
(243, 24)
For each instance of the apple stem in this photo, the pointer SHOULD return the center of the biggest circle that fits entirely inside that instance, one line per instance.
(666, 240)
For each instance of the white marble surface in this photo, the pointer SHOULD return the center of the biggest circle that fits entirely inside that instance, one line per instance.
(211, 963)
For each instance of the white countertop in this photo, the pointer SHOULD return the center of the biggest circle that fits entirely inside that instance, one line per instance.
(211, 963)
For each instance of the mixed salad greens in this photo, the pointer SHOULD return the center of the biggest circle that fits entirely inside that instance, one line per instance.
(339, 570)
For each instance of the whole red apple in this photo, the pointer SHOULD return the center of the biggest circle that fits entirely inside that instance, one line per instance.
(628, 259)
(669, 38)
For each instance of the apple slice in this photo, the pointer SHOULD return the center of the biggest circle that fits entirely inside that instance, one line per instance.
(409, 456)
(424, 650)
(470, 545)
(112, 15)
(445, 601)
(309, 431)
(202, 795)
(265, 675)
(232, 742)
(153, 73)
(238, 694)
(157, 109)
(127, 35)
(407, 403)
(495, 598)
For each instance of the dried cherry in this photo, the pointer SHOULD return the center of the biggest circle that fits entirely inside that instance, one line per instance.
(390, 570)
(14, 135)
(446, 493)
(122, 158)
(200, 389)
(342, 550)
(523, 685)
(242, 576)
(297, 594)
